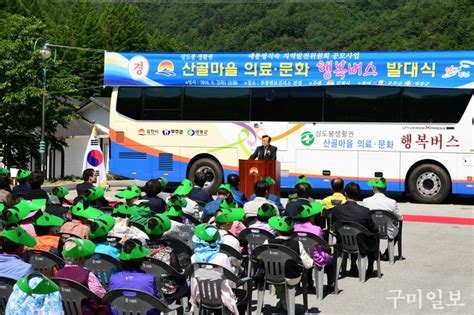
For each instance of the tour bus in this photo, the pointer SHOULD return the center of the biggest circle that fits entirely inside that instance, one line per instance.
(420, 138)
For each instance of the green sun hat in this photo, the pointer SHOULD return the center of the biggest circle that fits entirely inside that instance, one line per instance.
(206, 232)
(60, 192)
(108, 219)
(45, 285)
(88, 213)
(163, 224)
(302, 180)
(226, 187)
(4, 171)
(230, 215)
(14, 214)
(22, 174)
(94, 193)
(98, 228)
(378, 182)
(163, 181)
(174, 212)
(267, 210)
(184, 188)
(225, 204)
(77, 248)
(47, 219)
(137, 252)
(177, 200)
(31, 205)
(270, 181)
(124, 209)
(129, 193)
(283, 224)
(306, 211)
(17, 234)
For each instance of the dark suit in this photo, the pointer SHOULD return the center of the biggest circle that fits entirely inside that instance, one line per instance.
(260, 153)
(351, 211)
(200, 195)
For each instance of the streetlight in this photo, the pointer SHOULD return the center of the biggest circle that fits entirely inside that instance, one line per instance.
(46, 54)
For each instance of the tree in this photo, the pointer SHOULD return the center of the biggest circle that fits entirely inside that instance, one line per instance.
(21, 92)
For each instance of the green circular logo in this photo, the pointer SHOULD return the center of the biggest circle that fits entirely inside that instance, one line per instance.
(307, 138)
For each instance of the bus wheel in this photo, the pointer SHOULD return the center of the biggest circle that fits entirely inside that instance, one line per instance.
(213, 171)
(429, 183)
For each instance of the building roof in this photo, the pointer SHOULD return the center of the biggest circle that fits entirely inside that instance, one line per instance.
(102, 102)
(78, 128)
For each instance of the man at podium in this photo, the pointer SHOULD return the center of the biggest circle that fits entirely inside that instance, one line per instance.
(266, 151)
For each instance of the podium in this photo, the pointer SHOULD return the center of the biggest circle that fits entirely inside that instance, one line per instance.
(251, 171)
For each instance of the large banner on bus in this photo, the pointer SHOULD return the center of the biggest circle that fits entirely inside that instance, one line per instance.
(441, 69)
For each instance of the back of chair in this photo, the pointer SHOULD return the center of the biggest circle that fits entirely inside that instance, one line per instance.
(43, 261)
(274, 258)
(255, 237)
(348, 232)
(72, 294)
(130, 302)
(310, 240)
(250, 220)
(159, 269)
(102, 266)
(6, 289)
(178, 246)
(382, 219)
(230, 251)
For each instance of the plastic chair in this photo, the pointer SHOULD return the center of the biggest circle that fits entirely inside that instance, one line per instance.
(102, 266)
(309, 241)
(160, 270)
(250, 220)
(6, 289)
(209, 278)
(382, 219)
(348, 231)
(236, 258)
(178, 246)
(43, 261)
(254, 238)
(274, 258)
(130, 302)
(72, 294)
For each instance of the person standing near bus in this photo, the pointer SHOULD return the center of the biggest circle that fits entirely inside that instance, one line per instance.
(266, 151)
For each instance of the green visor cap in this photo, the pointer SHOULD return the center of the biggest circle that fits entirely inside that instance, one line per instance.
(78, 248)
(302, 180)
(98, 228)
(227, 204)
(207, 232)
(108, 219)
(283, 224)
(174, 211)
(306, 211)
(44, 286)
(14, 214)
(378, 182)
(163, 181)
(226, 187)
(31, 205)
(184, 188)
(230, 215)
(270, 181)
(177, 200)
(137, 252)
(17, 234)
(22, 174)
(60, 192)
(158, 225)
(93, 193)
(124, 209)
(131, 192)
(267, 210)
(47, 219)
(4, 171)
(88, 213)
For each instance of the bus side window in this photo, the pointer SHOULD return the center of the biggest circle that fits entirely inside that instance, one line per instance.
(129, 102)
(434, 105)
(163, 103)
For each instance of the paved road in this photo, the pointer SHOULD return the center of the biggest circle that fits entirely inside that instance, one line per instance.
(438, 266)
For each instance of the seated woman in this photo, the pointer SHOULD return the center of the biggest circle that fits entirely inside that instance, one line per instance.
(131, 276)
(122, 225)
(75, 251)
(206, 250)
(45, 238)
(161, 250)
(99, 228)
(264, 213)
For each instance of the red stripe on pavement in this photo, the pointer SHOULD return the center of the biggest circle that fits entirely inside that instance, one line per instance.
(436, 219)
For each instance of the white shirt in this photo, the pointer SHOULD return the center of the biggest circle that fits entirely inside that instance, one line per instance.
(251, 207)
